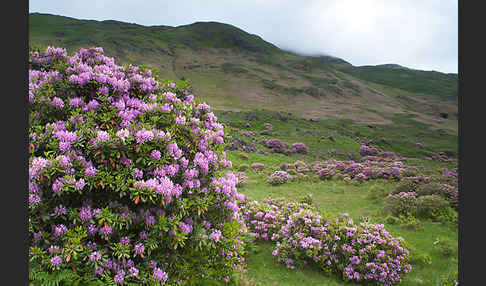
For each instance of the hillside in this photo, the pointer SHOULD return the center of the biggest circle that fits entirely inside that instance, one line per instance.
(234, 70)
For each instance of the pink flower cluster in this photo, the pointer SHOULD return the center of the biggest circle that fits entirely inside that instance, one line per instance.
(363, 253)
(278, 178)
(276, 145)
(365, 150)
(299, 147)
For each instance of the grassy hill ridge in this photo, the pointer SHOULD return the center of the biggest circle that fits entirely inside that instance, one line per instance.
(235, 70)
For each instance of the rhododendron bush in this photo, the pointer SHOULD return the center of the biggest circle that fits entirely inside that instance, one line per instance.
(361, 252)
(126, 180)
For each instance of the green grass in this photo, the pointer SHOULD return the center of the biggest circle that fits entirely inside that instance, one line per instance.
(400, 137)
(250, 67)
(263, 270)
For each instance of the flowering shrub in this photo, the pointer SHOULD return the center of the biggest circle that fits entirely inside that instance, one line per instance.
(126, 180)
(258, 166)
(403, 203)
(243, 167)
(367, 170)
(299, 147)
(284, 166)
(278, 178)
(276, 145)
(364, 252)
(365, 150)
(435, 207)
(264, 219)
(242, 179)
(325, 173)
(445, 246)
(247, 133)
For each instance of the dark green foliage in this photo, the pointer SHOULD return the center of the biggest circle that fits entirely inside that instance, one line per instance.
(436, 208)
(64, 277)
(445, 246)
(233, 68)
(433, 83)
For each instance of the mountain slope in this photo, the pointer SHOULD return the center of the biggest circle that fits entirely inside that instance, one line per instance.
(234, 70)
(424, 82)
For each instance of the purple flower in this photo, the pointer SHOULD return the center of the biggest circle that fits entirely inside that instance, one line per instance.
(355, 260)
(143, 234)
(60, 210)
(133, 272)
(90, 171)
(186, 228)
(85, 214)
(144, 136)
(75, 102)
(139, 248)
(57, 102)
(137, 173)
(34, 199)
(119, 277)
(102, 136)
(156, 155)
(215, 235)
(56, 261)
(92, 229)
(125, 240)
(98, 270)
(53, 249)
(94, 256)
(80, 184)
(59, 230)
(160, 275)
(123, 133)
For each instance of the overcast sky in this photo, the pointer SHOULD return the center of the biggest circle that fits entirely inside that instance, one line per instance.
(419, 34)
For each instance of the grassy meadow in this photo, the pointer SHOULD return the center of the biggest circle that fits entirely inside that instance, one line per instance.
(363, 201)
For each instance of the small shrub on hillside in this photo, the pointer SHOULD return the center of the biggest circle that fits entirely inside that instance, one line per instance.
(326, 174)
(276, 145)
(258, 166)
(278, 178)
(242, 179)
(299, 164)
(284, 166)
(292, 171)
(404, 203)
(436, 208)
(243, 167)
(445, 246)
(410, 171)
(341, 247)
(388, 154)
(243, 156)
(410, 222)
(392, 220)
(429, 189)
(365, 150)
(268, 126)
(450, 279)
(247, 133)
(299, 147)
